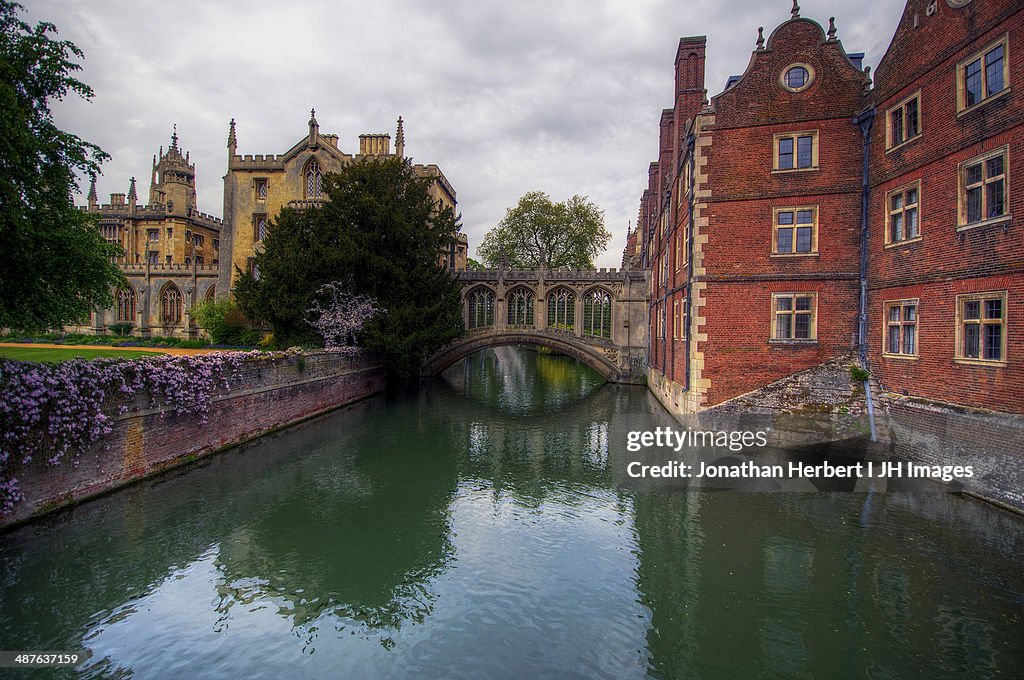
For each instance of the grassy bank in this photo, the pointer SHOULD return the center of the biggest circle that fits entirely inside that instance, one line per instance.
(54, 355)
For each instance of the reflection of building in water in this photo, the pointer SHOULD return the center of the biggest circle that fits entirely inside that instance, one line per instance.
(372, 533)
(724, 589)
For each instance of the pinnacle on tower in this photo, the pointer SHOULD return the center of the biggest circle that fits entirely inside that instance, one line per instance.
(314, 128)
(796, 10)
(400, 140)
(92, 198)
(831, 28)
(232, 141)
(132, 196)
(174, 139)
(760, 37)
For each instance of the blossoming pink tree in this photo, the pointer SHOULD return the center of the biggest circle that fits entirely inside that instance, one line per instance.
(338, 316)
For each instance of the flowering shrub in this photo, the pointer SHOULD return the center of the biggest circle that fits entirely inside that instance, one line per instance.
(338, 316)
(60, 410)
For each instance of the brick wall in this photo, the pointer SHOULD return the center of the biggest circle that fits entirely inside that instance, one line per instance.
(269, 394)
(947, 260)
(941, 434)
(735, 193)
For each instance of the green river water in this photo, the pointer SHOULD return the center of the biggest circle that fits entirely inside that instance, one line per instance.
(474, 529)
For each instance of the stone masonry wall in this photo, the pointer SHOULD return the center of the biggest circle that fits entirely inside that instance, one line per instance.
(266, 396)
(941, 434)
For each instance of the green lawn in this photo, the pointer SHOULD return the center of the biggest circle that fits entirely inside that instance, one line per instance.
(55, 355)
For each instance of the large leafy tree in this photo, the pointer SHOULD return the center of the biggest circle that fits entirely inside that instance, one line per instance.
(538, 231)
(380, 234)
(54, 265)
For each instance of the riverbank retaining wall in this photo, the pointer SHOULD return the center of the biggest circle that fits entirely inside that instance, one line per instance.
(815, 406)
(265, 395)
(934, 433)
(824, 408)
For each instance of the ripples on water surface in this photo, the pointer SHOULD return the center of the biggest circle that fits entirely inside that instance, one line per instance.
(473, 530)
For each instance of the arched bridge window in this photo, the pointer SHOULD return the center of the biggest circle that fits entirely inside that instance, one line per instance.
(125, 305)
(520, 308)
(561, 310)
(597, 313)
(314, 180)
(170, 305)
(481, 308)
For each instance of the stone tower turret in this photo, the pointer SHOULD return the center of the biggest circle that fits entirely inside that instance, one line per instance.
(174, 180)
(93, 199)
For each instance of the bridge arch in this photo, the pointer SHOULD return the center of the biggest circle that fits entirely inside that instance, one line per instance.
(559, 342)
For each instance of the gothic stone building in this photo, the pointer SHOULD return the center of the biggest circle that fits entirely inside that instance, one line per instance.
(171, 250)
(257, 187)
(753, 221)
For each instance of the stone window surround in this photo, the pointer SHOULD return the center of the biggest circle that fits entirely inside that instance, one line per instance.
(961, 87)
(795, 135)
(889, 243)
(962, 223)
(958, 355)
(813, 252)
(902, 323)
(775, 311)
(901, 105)
(785, 72)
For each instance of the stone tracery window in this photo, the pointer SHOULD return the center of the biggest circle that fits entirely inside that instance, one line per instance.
(561, 310)
(481, 308)
(170, 304)
(125, 305)
(597, 313)
(520, 308)
(314, 180)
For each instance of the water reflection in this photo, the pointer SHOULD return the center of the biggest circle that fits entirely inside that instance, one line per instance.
(474, 530)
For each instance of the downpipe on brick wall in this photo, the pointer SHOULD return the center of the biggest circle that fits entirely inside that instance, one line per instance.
(865, 120)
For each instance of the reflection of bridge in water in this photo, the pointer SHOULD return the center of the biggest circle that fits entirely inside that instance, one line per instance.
(596, 316)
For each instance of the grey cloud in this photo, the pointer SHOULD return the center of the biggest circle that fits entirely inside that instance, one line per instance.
(505, 97)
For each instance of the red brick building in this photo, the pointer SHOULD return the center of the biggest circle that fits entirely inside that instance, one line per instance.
(946, 272)
(753, 221)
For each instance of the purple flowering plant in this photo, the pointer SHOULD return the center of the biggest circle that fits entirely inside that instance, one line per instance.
(56, 412)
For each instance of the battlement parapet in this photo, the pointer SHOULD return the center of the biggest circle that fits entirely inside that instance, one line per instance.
(256, 162)
(602, 274)
(164, 269)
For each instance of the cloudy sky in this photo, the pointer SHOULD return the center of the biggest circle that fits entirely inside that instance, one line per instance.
(563, 96)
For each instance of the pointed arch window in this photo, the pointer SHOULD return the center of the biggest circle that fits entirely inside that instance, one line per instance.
(259, 222)
(597, 313)
(170, 304)
(520, 308)
(314, 180)
(481, 308)
(561, 310)
(125, 305)
(211, 292)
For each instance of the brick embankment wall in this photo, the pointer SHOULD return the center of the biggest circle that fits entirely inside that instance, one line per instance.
(933, 433)
(264, 396)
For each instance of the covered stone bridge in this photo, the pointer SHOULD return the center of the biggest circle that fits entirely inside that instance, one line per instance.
(597, 316)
